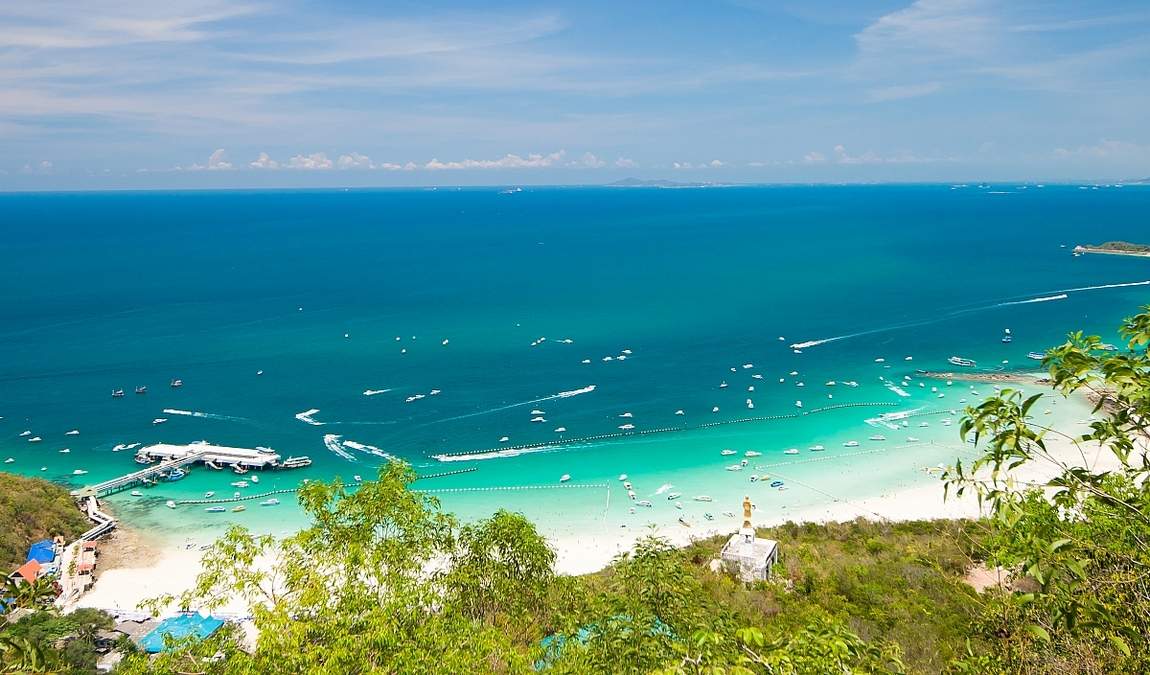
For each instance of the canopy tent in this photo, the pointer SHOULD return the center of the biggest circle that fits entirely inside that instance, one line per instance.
(180, 627)
(42, 551)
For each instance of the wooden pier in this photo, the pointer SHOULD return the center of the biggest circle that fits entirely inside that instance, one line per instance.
(137, 477)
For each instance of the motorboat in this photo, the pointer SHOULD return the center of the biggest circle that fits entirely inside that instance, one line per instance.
(727, 453)
(239, 507)
(674, 495)
(136, 493)
(817, 448)
(296, 462)
(159, 420)
(791, 451)
(255, 479)
(564, 478)
(703, 498)
(644, 502)
(215, 509)
(270, 502)
(175, 475)
(176, 384)
(959, 361)
(878, 437)
(239, 483)
(117, 393)
(752, 453)
(141, 390)
(851, 444)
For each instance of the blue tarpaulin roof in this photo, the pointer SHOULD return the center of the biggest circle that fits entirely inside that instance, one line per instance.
(180, 627)
(42, 552)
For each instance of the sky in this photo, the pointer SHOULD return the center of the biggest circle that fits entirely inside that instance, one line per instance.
(293, 93)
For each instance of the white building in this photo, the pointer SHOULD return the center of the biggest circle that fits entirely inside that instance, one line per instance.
(748, 556)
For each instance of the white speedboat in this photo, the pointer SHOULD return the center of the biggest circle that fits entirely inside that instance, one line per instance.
(644, 502)
(255, 479)
(878, 437)
(209, 494)
(735, 467)
(79, 472)
(626, 427)
(171, 504)
(959, 361)
(560, 430)
(1037, 356)
(674, 495)
(136, 493)
(703, 498)
(680, 412)
(752, 453)
(715, 409)
(817, 448)
(215, 509)
(750, 404)
(239, 484)
(270, 502)
(564, 478)
(159, 420)
(504, 439)
(627, 415)
(911, 439)
(798, 404)
(538, 420)
(791, 451)
(851, 444)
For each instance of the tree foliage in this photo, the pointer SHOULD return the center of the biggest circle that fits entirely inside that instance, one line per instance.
(32, 509)
(1079, 542)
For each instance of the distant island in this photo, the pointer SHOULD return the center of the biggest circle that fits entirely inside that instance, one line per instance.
(1115, 248)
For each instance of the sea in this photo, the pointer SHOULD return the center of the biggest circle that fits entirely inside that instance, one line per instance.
(602, 331)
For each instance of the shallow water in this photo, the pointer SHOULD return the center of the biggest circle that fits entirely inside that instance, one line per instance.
(116, 290)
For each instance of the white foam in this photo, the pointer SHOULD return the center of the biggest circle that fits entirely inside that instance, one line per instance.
(563, 394)
(1048, 298)
(375, 392)
(203, 415)
(306, 417)
(494, 454)
(663, 488)
(333, 443)
(370, 449)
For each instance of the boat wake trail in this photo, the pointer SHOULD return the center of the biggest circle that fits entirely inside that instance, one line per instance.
(563, 394)
(306, 417)
(369, 449)
(1048, 296)
(1060, 296)
(333, 443)
(204, 415)
(508, 452)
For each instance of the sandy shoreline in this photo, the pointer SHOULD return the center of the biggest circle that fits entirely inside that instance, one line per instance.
(134, 569)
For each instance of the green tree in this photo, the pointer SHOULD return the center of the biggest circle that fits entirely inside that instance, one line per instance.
(1080, 540)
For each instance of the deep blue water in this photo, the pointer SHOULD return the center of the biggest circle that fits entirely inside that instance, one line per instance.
(113, 290)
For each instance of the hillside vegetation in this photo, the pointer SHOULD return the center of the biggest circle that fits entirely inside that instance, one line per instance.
(32, 509)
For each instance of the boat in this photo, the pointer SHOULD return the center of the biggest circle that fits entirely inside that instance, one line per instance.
(674, 496)
(357, 478)
(622, 476)
(715, 409)
(35, 439)
(683, 522)
(911, 439)
(722, 385)
(73, 432)
(136, 493)
(626, 427)
(680, 412)
(878, 437)
(176, 384)
(644, 502)
(851, 444)
(215, 509)
(25, 433)
(239, 469)
(171, 504)
(959, 361)
(1037, 356)
(239, 507)
(239, 483)
(209, 494)
(117, 393)
(735, 467)
(626, 414)
(79, 472)
(537, 420)
(703, 498)
(143, 459)
(627, 485)
(159, 420)
(141, 390)
(296, 462)
(1107, 347)
(791, 451)
(564, 478)
(255, 479)
(727, 453)
(504, 439)
(708, 516)
(560, 430)
(270, 502)
(752, 453)
(817, 448)
(537, 411)
(1007, 338)
(9, 460)
(798, 404)
(777, 483)
(750, 404)
(175, 474)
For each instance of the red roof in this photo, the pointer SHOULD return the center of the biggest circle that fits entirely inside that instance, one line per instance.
(90, 546)
(85, 567)
(29, 570)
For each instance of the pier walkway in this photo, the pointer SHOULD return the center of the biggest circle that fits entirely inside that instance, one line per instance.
(137, 477)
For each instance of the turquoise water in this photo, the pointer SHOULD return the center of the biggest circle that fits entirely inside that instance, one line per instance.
(115, 290)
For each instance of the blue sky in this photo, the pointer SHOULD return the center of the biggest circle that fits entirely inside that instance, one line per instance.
(212, 93)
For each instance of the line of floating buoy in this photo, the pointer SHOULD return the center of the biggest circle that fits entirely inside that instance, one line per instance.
(662, 430)
(505, 488)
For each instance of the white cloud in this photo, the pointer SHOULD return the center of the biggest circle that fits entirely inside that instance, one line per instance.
(814, 157)
(715, 163)
(902, 91)
(532, 161)
(355, 161)
(624, 163)
(264, 162)
(1106, 149)
(316, 160)
(589, 161)
(44, 166)
(216, 162)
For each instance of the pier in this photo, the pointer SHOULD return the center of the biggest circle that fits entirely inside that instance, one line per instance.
(138, 477)
(216, 454)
